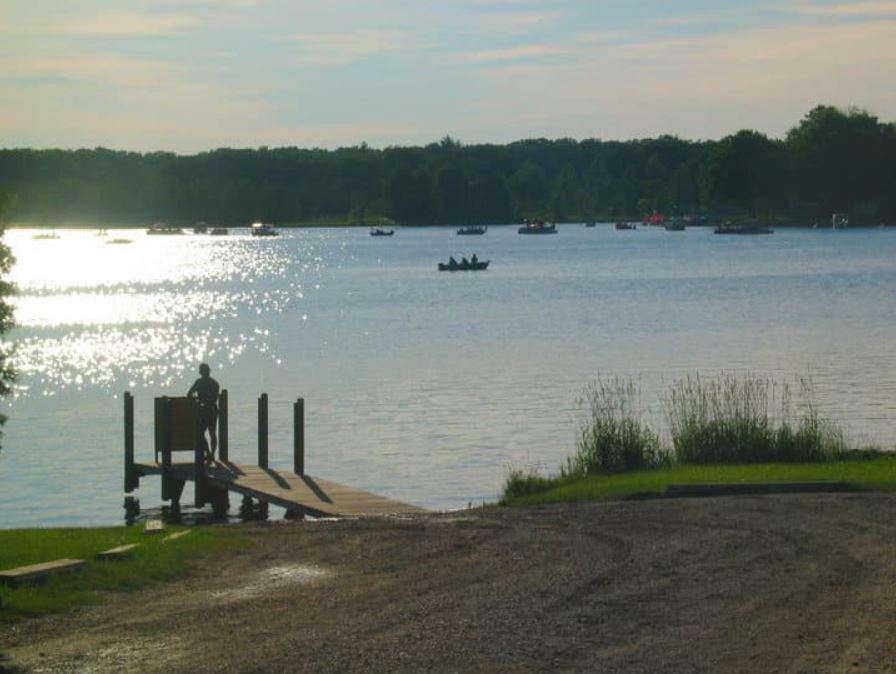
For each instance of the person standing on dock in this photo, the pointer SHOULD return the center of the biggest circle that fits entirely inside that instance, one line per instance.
(205, 390)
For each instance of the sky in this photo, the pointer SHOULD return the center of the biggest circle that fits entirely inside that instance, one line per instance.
(192, 75)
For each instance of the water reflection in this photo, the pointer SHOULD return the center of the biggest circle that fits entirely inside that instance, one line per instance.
(87, 312)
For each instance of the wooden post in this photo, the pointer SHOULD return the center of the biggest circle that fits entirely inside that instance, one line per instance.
(163, 445)
(131, 479)
(223, 428)
(199, 476)
(263, 431)
(298, 443)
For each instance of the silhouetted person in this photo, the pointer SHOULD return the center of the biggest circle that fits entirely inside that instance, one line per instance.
(474, 259)
(205, 390)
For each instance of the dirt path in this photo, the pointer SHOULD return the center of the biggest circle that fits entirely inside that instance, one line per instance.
(740, 584)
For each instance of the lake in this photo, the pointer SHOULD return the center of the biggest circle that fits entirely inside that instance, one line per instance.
(422, 386)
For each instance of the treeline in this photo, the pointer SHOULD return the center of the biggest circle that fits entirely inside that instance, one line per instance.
(833, 160)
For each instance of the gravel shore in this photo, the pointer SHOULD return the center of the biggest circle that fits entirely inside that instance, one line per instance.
(783, 583)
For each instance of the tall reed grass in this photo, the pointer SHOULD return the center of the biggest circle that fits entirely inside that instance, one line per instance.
(747, 419)
(613, 438)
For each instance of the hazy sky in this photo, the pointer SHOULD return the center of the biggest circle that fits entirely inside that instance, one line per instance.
(188, 75)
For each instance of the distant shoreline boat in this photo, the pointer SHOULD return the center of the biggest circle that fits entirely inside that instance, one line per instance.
(160, 228)
(219, 231)
(262, 229)
(622, 226)
(379, 231)
(464, 265)
(472, 230)
(742, 229)
(537, 227)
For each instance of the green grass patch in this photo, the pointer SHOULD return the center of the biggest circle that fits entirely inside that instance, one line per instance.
(876, 473)
(152, 561)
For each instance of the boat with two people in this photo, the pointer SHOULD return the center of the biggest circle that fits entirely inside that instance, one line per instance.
(537, 227)
(263, 229)
(379, 231)
(473, 230)
(473, 264)
(729, 228)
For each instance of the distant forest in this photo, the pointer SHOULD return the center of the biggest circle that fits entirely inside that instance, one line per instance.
(833, 160)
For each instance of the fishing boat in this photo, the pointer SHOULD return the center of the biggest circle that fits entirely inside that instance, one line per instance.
(379, 231)
(162, 229)
(537, 227)
(728, 228)
(262, 229)
(473, 230)
(622, 226)
(464, 265)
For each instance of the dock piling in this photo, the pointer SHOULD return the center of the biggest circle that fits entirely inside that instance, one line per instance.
(131, 480)
(263, 431)
(223, 428)
(298, 443)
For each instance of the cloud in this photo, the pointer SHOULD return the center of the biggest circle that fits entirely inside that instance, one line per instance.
(514, 53)
(881, 8)
(114, 70)
(110, 25)
(516, 23)
(339, 48)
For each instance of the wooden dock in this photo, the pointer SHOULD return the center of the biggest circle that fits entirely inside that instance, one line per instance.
(296, 493)
(177, 429)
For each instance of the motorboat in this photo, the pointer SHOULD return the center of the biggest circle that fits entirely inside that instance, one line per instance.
(728, 228)
(473, 230)
(262, 229)
(464, 265)
(537, 227)
(162, 229)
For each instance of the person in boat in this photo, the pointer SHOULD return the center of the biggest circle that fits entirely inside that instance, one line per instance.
(205, 392)
(464, 262)
(452, 261)
(474, 259)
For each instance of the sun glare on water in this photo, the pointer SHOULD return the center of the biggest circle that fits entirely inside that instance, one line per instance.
(88, 311)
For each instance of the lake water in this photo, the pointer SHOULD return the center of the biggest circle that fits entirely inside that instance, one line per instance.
(422, 386)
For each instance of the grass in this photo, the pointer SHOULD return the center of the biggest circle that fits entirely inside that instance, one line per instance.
(745, 419)
(726, 429)
(877, 473)
(153, 561)
(613, 439)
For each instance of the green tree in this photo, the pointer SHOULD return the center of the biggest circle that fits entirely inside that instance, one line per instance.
(748, 170)
(841, 158)
(7, 374)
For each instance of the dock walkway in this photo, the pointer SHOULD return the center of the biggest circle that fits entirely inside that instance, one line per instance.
(296, 493)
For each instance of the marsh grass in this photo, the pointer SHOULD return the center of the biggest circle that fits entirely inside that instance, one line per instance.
(712, 421)
(734, 419)
(613, 439)
(153, 561)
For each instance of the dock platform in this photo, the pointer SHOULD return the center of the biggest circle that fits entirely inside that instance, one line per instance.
(178, 431)
(303, 494)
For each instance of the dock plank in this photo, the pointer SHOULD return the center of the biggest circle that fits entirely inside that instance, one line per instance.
(299, 493)
(119, 552)
(37, 572)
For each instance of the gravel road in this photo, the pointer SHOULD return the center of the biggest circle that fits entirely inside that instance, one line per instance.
(784, 583)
